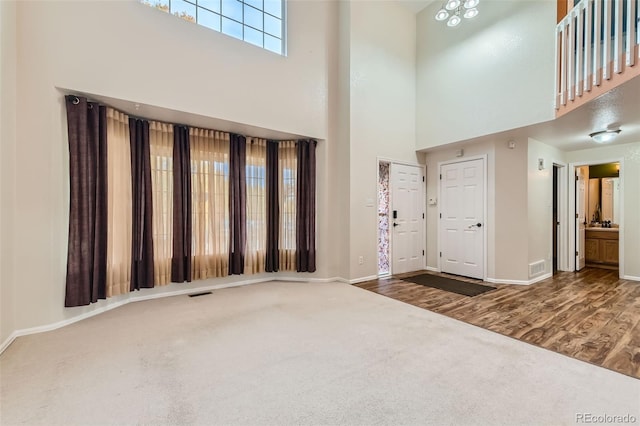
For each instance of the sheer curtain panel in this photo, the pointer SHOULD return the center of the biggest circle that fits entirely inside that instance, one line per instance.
(287, 189)
(210, 190)
(119, 203)
(256, 165)
(161, 156)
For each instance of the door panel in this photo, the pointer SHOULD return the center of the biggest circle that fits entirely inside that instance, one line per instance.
(462, 218)
(407, 227)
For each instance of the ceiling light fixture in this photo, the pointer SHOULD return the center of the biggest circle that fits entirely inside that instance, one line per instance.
(453, 11)
(604, 136)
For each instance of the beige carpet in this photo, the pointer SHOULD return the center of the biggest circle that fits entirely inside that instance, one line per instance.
(293, 354)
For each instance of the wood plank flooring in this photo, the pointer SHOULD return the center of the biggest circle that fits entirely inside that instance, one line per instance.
(590, 315)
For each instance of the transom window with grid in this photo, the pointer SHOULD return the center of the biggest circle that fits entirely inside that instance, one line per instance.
(259, 22)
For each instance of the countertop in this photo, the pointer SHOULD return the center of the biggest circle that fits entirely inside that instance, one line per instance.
(597, 228)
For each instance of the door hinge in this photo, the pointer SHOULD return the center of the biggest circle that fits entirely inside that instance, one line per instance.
(440, 254)
(423, 215)
(423, 178)
(576, 178)
(577, 253)
(576, 215)
(440, 176)
(423, 252)
(440, 215)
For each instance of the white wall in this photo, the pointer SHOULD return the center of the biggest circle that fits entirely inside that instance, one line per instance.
(129, 51)
(8, 60)
(433, 158)
(340, 170)
(540, 201)
(630, 169)
(507, 216)
(488, 74)
(382, 113)
(511, 214)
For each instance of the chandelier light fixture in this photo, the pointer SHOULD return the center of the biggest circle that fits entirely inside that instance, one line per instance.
(453, 11)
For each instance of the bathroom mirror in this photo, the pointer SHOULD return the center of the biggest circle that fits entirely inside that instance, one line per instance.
(604, 200)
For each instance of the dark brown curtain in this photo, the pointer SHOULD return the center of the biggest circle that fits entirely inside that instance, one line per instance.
(182, 221)
(237, 203)
(87, 250)
(272, 259)
(306, 207)
(142, 223)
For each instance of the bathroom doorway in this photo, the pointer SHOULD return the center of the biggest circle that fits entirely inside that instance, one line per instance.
(598, 207)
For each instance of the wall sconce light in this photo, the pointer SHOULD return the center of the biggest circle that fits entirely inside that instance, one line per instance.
(604, 136)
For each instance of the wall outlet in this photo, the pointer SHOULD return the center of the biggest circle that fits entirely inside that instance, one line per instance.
(360, 260)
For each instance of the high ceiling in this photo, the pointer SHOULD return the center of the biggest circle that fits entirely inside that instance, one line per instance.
(619, 108)
(415, 5)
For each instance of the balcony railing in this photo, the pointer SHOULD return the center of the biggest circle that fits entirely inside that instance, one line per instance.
(597, 40)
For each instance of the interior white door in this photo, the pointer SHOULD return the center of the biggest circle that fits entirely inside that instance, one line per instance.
(462, 218)
(581, 211)
(407, 218)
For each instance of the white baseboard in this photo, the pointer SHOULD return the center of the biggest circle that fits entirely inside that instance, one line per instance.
(630, 278)
(360, 280)
(519, 282)
(9, 340)
(136, 297)
(431, 268)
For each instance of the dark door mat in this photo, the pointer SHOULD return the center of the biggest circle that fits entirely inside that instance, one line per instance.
(448, 284)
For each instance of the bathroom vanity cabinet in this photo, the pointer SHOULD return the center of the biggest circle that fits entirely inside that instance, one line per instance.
(601, 247)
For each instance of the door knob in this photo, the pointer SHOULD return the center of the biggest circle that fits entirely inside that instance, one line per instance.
(395, 224)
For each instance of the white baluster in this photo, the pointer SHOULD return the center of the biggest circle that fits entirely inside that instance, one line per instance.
(606, 39)
(597, 45)
(588, 45)
(631, 32)
(617, 38)
(579, 63)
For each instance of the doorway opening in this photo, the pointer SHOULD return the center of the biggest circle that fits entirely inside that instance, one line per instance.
(556, 219)
(599, 216)
(383, 219)
(401, 217)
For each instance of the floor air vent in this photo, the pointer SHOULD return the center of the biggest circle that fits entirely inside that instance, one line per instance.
(204, 293)
(536, 268)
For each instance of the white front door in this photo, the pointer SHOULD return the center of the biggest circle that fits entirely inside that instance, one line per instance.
(581, 212)
(407, 218)
(462, 218)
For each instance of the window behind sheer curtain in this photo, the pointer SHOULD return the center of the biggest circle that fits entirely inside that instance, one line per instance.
(256, 163)
(161, 147)
(145, 189)
(287, 177)
(210, 202)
